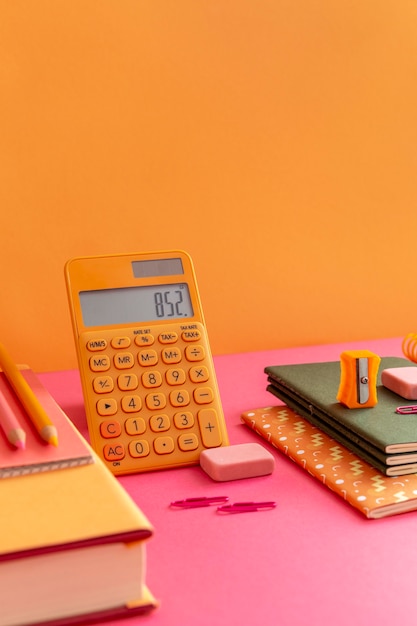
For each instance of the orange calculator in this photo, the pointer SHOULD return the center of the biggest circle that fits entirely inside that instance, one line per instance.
(149, 385)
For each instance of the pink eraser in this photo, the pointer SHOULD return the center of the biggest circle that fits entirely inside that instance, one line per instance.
(244, 460)
(401, 380)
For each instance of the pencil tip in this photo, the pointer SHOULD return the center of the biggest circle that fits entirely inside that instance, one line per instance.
(20, 444)
(53, 440)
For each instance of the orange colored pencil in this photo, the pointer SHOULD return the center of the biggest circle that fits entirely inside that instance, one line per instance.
(30, 402)
(8, 421)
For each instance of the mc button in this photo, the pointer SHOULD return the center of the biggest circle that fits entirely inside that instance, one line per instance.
(100, 363)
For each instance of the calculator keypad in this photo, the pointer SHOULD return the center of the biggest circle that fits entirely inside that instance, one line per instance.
(155, 402)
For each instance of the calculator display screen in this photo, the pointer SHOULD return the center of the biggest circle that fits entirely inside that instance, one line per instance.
(127, 305)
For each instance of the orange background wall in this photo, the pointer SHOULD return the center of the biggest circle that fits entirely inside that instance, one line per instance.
(274, 140)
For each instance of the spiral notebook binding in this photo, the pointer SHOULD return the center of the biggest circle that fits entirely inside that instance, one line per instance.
(409, 347)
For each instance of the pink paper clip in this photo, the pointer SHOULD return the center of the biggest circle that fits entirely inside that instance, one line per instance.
(194, 503)
(408, 409)
(246, 507)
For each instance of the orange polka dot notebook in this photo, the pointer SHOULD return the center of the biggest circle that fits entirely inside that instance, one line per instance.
(374, 494)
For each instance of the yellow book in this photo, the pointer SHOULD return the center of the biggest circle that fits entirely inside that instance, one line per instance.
(72, 546)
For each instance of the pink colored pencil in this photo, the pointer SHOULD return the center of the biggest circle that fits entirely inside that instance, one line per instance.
(12, 429)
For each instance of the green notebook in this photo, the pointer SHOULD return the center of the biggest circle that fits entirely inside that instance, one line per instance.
(382, 437)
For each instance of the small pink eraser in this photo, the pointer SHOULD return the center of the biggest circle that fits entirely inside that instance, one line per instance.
(244, 460)
(401, 380)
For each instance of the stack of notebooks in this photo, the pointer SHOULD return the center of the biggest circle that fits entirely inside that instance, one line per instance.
(379, 435)
(367, 456)
(72, 542)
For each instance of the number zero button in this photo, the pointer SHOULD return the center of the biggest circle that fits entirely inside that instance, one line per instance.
(138, 448)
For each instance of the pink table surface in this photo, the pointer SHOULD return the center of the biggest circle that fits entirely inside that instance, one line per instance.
(312, 560)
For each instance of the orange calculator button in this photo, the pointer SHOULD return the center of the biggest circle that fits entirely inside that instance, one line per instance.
(114, 452)
(131, 404)
(159, 423)
(107, 406)
(188, 442)
(163, 445)
(118, 343)
(194, 353)
(95, 345)
(209, 428)
(184, 420)
(135, 426)
(100, 363)
(155, 401)
(175, 377)
(152, 379)
(147, 358)
(170, 337)
(144, 340)
(110, 428)
(199, 374)
(124, 360)
(179, 397)
(191, 335)
(171, 355)
(203, 395)
(103, 384)
(139, 448)
(127, 382)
